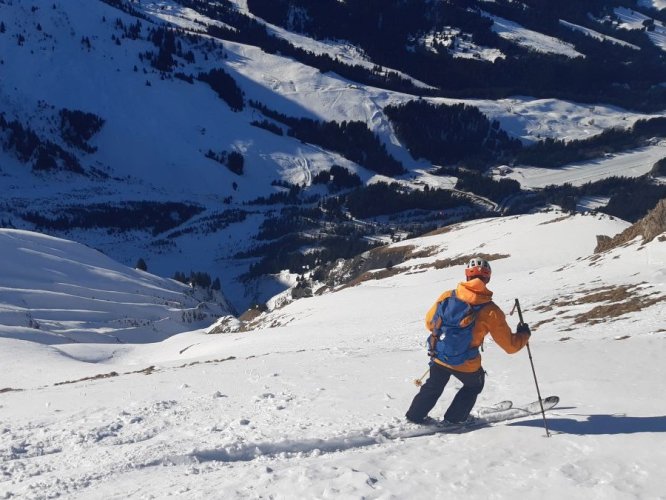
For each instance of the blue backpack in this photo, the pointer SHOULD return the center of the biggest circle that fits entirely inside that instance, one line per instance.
(454, 320)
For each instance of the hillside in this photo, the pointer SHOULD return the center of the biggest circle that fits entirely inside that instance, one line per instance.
(222, 223)
(585, 52)
(201, 132)
(299, 406)
(56, 291)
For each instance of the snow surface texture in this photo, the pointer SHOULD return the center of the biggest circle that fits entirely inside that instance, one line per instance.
(297, 407)
(630, 19)
(538, 42)
(633, 164)
(657, 4)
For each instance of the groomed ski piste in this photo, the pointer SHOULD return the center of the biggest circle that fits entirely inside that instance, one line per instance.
(295, 407)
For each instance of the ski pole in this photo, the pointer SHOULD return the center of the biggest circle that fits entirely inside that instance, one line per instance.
(529, 352)
(419, 381)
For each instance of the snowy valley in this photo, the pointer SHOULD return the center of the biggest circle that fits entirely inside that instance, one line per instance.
(115, 135)
(222, 224)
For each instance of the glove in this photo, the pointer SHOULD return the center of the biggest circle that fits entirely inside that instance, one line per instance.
(523, 328)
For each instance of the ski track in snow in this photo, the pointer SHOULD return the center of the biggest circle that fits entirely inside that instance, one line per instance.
(136, 432)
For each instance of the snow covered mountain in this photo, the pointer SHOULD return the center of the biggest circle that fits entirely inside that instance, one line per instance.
(300, 405)
(169, 131)
(352, 155)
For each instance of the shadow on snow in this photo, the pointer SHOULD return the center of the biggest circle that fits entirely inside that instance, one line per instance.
(601, 424)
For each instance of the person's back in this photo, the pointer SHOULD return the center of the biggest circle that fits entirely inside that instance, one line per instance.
(486, 317)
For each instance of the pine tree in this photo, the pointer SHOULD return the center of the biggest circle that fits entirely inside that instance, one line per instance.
(235, 162)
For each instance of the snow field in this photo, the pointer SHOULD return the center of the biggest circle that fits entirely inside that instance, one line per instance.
(297, 410)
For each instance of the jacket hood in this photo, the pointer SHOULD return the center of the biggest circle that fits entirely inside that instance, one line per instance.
(473, 292)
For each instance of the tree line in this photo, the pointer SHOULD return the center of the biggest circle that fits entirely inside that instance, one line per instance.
(155, 217)
(247, 30)
(78, 127)
(198, 279)
(551, 153)
(385, 30)
(450, 134)
(29, 148)
(226, 87)
(630, 199)
(460, 134)
(381, 199)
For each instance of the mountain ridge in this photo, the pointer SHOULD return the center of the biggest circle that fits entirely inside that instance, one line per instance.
(652, 226)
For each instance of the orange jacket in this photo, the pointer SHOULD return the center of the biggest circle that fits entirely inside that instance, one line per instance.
(490, 319)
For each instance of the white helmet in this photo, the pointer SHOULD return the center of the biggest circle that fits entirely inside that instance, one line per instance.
(478, 268)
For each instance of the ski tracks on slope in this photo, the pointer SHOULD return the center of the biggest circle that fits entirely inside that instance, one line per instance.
(103, 445)
(287, 448)
(45, 459)
(393, 433)
(93, 446)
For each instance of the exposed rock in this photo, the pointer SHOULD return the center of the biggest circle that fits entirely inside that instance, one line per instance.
(227, 324)
(385, 257)
(603, 241)
(649, 227)
(302, 290)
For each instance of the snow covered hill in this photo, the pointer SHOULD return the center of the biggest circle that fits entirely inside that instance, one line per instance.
(299, 406)
(55, 291)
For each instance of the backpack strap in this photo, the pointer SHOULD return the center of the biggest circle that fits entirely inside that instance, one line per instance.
(437, 321)
(477, 311)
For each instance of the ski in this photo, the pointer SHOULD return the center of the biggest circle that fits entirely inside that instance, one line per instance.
(485, 417)
(514, 412)
(502, 415)
(502, 405)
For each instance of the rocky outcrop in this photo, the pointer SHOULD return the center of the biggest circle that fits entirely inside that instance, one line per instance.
(649, 227)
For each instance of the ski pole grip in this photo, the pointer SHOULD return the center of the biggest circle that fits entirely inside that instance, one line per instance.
(516, 307)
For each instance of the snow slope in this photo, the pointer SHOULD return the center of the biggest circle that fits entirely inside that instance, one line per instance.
(295, 408)
(630, 19)
(657, 4)
(598, 36)
(89, 298)
(629, 164)
(514, 32)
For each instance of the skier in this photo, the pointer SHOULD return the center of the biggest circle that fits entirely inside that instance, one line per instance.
(481, 316)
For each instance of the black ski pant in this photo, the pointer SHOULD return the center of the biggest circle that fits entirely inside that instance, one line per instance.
(462, 403)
